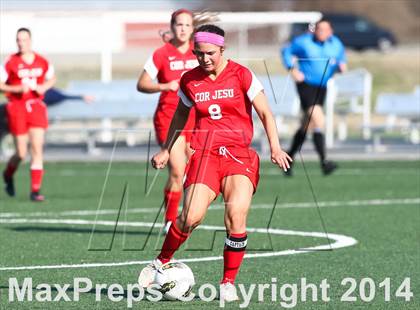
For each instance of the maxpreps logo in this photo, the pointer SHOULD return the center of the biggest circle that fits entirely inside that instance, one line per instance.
(175, 65)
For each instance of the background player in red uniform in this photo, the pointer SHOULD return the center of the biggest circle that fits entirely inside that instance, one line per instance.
(167, 64)
(223, 94)
(25, 77)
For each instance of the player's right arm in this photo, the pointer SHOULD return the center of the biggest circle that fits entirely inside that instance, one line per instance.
(289, 54)
(10, 88)
(146, 84)
(178, 122)
(342, 59)
(13, 88)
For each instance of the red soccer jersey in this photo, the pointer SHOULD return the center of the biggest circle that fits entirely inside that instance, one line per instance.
(168, 64)
(223, 106)
(16, 71)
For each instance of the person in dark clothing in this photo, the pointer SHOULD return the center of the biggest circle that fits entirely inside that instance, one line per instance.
(318, 56)
(55, 96)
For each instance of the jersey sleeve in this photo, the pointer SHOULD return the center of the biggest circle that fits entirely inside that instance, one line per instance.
(287, 56)
(291, 51)
(342, 59)
(184, 94)
(4, 71)
(153, 65)
(251, 85)
(3, 74)
(50, 72)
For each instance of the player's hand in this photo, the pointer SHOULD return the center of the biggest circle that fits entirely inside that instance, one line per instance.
(88, 99)
(160, 159)
(281, 158)
(24, 88)
(40, 90)
(172, 86)
(342, 67)
(166, 35)
(297, 75)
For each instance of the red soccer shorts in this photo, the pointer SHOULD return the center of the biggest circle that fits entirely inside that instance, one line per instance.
(22, 115)
(162, 123)
(210, 167)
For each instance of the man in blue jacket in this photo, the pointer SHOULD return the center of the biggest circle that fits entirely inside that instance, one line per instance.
(312, 59)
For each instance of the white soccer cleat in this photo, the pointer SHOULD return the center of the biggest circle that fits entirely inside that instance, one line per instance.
(228, 292)
(148, 273)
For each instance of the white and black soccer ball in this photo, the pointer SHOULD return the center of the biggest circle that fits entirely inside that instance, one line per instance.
(175, 280)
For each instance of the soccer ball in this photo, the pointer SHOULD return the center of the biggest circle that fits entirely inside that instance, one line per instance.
(175, 280)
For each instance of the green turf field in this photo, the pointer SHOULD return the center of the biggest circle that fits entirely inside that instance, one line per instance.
(373, 203)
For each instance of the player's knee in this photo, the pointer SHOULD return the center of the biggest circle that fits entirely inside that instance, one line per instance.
(36, 154)
(317, 130)
(193, 222)
(237, 227)
(236, 221)
(36, 149)
(319, 123)
(176, 176)
(187, 223)
(318, 116)
(21, 154)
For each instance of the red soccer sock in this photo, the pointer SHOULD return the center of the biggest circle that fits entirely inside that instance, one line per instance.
(10, 169)
(174, 239)
(233, 255)
(171, 203)
(36, 179)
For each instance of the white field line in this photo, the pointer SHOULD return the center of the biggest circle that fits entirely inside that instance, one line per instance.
(340, 241)
(266, 171)
(322, 204)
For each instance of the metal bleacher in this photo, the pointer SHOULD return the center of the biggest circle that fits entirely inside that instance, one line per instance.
(348, 93)
(118, 99)
(119, 107)
(398, 106)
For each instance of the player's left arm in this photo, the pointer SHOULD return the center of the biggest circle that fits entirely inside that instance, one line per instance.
(178, 122)
(278, 156)
(342, 58)
(49, 81)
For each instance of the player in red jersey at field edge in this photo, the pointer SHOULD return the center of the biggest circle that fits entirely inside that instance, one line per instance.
(223, 94)
(25, 77)
(168, 64)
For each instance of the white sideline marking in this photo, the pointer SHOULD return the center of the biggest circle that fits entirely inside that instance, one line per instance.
(263, 171)
(322, 204)
(340, 241)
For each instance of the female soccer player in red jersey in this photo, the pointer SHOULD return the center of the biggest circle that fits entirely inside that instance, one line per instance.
(168, 64)
(223, 94)
(25, 77)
